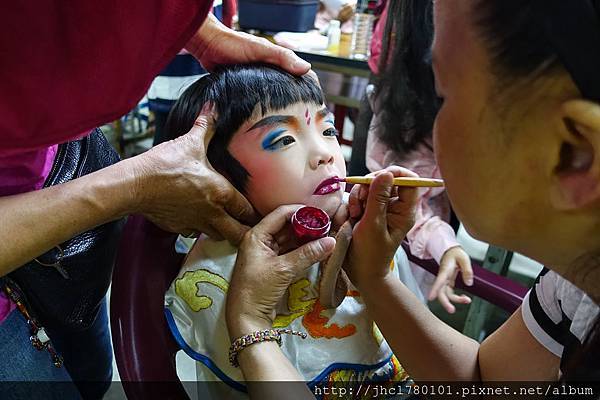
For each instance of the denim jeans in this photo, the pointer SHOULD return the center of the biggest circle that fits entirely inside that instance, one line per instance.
(27, 373)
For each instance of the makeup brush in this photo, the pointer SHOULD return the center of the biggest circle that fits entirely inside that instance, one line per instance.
(402, 181)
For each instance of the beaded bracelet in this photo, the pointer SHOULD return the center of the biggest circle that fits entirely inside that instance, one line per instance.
(268, 335)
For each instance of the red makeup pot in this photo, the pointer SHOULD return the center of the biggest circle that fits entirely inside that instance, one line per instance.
(310, 223)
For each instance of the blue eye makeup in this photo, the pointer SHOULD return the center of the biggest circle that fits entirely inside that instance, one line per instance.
(269, 144)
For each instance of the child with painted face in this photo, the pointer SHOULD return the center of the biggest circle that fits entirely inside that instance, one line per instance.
(275, 141)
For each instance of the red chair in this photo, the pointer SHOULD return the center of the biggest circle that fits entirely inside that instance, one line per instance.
(143, 346)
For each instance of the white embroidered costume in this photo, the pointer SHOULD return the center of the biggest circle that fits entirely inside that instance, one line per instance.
(343, 344)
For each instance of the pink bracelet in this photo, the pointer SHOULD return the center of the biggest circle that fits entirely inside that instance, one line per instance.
(268, 335)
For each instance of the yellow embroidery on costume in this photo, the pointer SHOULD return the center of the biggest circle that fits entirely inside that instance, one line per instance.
(186, 287)
(392, 265)
(296, 304)
(377, 335)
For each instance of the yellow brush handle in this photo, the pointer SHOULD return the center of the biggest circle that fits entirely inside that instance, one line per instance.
(403, 181)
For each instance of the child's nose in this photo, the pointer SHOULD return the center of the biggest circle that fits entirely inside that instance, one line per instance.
(322, 155)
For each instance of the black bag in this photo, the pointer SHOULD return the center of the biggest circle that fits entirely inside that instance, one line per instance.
(71, 302)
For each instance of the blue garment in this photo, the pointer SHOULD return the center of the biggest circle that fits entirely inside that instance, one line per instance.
(27, 373)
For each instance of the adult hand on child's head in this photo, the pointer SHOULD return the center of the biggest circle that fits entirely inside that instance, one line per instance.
(385, 213)
(214, 44)
(180, 191)
(262, 275)
(453, 260)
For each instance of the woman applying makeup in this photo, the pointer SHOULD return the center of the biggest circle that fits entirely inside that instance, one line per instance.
(520, 128)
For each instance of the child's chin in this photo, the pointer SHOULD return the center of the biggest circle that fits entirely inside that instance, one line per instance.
(329, 203)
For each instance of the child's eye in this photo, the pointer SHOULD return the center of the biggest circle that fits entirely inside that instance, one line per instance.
(281, 142)
(331, 132)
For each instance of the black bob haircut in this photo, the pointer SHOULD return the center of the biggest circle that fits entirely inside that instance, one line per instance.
(235, 91)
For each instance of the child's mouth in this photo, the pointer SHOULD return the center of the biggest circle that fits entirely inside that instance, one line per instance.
(329, 185)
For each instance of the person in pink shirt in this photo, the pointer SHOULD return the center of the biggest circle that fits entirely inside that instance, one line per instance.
(70, 68)
(404, 106)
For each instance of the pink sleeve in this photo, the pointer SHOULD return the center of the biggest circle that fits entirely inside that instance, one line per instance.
(431, 238)
(6, 306)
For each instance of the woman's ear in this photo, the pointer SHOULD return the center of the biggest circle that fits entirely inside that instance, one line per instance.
(576, 177)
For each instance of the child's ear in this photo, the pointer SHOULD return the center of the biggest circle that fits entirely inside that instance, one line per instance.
(576, 177)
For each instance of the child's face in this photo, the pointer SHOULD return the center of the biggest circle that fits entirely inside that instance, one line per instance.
(289, 155)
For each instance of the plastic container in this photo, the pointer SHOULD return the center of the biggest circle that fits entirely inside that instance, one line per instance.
(277, 15)
(364, 18)
(310, 223)
(360, 46)
(334, 34)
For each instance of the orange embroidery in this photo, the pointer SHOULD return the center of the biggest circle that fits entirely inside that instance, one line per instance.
(315, 324)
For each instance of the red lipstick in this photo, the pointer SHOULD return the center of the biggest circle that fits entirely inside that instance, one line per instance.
(310, 223)
(329, 185)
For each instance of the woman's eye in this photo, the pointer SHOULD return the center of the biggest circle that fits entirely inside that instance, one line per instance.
(331, 132)
(281, 142)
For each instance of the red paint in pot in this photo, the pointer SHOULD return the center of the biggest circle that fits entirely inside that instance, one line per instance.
(310, 223)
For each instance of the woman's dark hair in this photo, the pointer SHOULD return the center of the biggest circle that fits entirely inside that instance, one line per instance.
(235, 92)
(405, 88)
(527, 39)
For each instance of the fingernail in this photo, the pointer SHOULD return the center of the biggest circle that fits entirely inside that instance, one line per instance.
(300, 64)
(208, 109)
(327, 243)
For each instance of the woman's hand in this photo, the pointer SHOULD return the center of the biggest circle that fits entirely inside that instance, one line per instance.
(178, 189)
(453, 260)
(262, 275)
(215, 44)
(385, 214)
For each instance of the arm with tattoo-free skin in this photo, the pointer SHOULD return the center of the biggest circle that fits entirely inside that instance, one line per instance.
(427, 347)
